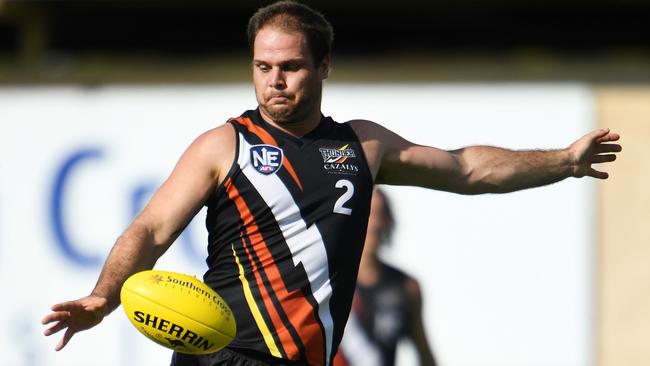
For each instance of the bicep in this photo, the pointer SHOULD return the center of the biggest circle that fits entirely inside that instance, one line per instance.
(396, 161)
(186, 190)
(410, 164)
(405, 163)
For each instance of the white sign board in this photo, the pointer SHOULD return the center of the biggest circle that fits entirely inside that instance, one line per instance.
(507, 279)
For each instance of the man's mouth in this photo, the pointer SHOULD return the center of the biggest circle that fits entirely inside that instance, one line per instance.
(279, 99)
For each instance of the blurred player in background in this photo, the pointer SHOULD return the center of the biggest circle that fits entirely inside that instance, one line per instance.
(288, 195)
(387, 304)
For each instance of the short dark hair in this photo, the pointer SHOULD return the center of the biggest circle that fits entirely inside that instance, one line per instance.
(292, 16)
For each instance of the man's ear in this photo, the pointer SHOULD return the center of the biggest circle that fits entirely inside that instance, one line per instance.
(324, 67)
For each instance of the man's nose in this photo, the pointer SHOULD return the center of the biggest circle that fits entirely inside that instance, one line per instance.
(277, 80)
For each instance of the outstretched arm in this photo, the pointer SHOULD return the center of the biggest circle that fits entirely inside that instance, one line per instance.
(170, 209)
(481, 169)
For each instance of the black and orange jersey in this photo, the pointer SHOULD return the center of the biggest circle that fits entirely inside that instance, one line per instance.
(286, 231)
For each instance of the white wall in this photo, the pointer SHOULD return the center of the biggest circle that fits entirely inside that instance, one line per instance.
(507, 279)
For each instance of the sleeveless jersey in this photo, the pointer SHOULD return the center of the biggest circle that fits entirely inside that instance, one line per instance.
(382, 315)
(286, 231)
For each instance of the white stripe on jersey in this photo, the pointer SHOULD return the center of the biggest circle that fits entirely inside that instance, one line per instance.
(306, 243)
(357, 349)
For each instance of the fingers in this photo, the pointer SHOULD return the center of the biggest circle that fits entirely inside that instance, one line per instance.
(597, 159)
(598, 174)
(56, 316)
(597, 134)
(602, 135)
(73, 316)
(607, 148)
(55, 328)
(608, 136)
(66, 338)
(61, 317)
(66, 306)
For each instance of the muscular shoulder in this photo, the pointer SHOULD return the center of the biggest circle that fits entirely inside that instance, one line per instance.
(371, 135)
(214, 149)
(219, 139)
(366, 130)
(384, 150)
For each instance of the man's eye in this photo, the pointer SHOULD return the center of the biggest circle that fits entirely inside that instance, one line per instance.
(291, 67)
(263, 68)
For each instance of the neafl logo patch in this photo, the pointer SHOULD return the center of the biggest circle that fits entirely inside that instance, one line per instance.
(266, 159)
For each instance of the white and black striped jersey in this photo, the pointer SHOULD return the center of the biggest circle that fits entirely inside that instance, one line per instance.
(286, 232)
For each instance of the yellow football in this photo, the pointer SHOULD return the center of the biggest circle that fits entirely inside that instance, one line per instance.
(178, 311)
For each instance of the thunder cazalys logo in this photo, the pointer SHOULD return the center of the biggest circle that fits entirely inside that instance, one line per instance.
(338, 156)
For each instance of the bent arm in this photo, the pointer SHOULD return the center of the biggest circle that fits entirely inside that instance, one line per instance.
(137, 249)
(480, 169)
(168, 212)
(198, 172)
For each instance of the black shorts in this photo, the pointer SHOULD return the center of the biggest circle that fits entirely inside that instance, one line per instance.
(231, 357)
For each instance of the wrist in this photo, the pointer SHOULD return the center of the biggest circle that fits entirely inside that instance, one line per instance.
(569, 161)
(102, 303)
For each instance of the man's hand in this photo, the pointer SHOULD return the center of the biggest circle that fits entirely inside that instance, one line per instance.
(76, 316)
(593, 148)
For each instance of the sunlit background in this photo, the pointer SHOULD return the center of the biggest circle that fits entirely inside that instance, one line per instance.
(99, 98)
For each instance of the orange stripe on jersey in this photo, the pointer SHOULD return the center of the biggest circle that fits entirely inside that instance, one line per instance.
(288, 344)
(299, 311)
(266, 137)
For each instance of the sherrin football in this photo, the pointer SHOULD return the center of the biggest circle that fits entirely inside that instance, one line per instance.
(178, 311)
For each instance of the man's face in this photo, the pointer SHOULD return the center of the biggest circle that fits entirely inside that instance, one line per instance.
(288, 84)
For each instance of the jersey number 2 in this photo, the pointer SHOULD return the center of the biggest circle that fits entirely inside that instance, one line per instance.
(345, 197)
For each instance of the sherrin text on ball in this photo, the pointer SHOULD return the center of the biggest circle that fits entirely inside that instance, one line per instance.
(178, 311)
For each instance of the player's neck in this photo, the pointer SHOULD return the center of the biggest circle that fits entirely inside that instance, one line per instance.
(298, 127)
